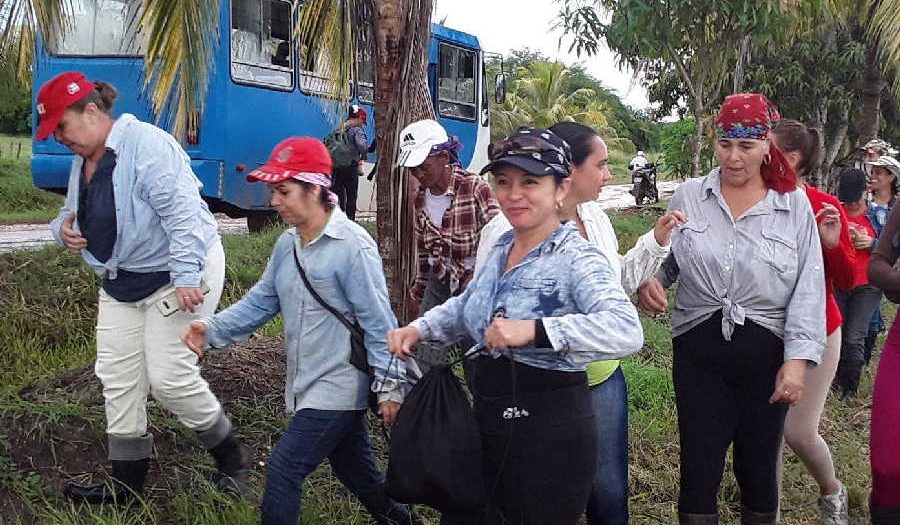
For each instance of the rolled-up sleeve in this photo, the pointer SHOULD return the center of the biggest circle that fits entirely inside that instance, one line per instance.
(172, 191)
(609, 327)
(804, 327)
(642, 262)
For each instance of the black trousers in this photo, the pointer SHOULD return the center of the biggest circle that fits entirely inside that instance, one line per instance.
(539, 444)
(722, 391)
(345, 184)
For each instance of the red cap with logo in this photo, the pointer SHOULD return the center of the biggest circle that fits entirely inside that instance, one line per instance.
(55, 97)
(293, 158)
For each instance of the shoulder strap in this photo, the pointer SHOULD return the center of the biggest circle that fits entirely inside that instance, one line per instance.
(317, 297)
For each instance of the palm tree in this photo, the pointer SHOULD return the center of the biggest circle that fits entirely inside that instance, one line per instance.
(182, 35)
(540, 98)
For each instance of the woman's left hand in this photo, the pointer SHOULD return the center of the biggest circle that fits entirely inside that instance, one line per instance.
(507, 333)
(189, 297)
(662, 232)
(829, 226)
(387, 411)
(789, 382)
(863, 241)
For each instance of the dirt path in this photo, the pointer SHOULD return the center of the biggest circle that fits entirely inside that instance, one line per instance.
(23, 236)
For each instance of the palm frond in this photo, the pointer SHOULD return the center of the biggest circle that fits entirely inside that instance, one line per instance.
(884, 21)
(20, 20)
(181, 39)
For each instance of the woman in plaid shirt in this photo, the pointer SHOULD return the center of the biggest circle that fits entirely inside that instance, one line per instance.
(451, 207)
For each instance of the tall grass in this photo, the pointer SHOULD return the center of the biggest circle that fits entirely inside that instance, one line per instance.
(20, 201)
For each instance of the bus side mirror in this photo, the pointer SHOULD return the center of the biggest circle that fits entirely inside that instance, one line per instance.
(500, 88)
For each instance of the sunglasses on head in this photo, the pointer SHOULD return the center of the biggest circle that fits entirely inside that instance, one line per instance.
(520, 145)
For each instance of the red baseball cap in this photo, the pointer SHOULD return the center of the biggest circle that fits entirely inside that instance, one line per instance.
(359, 112)
(292, 157)
(55, 97)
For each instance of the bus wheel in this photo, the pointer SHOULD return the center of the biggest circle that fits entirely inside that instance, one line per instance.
(262, 220)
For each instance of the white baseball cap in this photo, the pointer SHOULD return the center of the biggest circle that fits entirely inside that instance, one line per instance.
(889, 163)
(416, 141)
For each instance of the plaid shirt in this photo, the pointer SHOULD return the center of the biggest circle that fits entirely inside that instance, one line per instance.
(443, 250)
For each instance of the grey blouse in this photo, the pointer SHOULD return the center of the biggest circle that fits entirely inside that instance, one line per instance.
(765, 266)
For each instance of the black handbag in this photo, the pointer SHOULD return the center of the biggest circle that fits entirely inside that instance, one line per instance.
(359, 356)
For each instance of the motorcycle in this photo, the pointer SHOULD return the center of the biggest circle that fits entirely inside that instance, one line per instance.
(643, 185)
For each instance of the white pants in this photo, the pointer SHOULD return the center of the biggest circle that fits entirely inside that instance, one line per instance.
(139, 351)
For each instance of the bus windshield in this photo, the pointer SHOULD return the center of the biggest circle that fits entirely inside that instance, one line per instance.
(100, 28)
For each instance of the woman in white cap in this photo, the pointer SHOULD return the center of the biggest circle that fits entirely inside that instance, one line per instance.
(451, 207)
(134, 213)
(883, 188)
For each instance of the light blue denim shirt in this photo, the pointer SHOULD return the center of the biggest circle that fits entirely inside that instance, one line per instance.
(344, 268)
(162, 224)
(565, 281)
(765, 265)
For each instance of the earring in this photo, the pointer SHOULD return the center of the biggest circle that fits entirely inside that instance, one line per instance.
(559, 206)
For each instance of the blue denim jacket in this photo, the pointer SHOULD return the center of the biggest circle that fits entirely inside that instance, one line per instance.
(344, 268)
(565, 281)
(162, 223)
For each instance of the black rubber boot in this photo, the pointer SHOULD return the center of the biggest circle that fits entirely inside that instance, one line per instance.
(885, 515)
(233, 463)
(685, 518)
(751, 517)
(126, 482)
(400, 515)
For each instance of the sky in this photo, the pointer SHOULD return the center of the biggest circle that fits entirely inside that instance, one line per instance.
(503, 25)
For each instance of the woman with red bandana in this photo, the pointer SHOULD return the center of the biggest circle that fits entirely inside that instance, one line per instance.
(749, 314)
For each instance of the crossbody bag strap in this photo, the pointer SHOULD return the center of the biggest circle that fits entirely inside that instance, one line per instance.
(353, 329)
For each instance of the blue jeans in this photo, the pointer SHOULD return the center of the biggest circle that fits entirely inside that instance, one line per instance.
(608, 503)
(312, 436)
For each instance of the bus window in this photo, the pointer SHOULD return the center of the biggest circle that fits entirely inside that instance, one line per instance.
(100, 28)
(261, 44)
(456, 82)
(366, 67)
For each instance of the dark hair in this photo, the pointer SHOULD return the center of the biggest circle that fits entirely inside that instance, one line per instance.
(797, 136)
(579, 137)
(324, 198)
(103, 96)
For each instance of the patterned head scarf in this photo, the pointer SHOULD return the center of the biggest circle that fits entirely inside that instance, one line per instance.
(752, 116)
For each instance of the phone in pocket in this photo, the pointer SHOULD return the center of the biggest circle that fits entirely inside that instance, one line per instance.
(168, 304)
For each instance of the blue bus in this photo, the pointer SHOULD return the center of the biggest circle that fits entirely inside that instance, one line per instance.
(258, 95)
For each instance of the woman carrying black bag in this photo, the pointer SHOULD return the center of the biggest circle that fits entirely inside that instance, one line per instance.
(546, 304)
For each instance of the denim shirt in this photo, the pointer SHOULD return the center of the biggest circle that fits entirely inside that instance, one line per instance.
(162, 223)
(566, 282)
(765, 265)
(344, 268)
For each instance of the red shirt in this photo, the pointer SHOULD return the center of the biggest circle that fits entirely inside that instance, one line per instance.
(862, 224)
(840, 262)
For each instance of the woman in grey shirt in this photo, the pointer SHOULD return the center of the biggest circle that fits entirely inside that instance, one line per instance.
(749, 314)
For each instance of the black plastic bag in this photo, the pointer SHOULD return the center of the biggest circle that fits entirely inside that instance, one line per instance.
(435, 449)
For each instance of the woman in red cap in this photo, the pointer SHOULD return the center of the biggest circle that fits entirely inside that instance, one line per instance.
(749, 314)
(134, 213)
(326, 253)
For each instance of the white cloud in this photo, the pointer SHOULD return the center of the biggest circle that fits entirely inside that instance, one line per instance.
(504, 25)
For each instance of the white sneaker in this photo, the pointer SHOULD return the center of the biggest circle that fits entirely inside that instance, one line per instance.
(833, 507)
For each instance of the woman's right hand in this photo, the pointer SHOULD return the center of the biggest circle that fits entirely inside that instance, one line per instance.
(401, 341)
(652, 297)
(71, 238)
(195, 337)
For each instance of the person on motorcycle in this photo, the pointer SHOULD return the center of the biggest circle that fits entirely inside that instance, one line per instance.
(638, 162)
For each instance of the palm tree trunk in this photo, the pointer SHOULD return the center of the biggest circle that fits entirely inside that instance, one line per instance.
(871, 96)
(833, 148)
(402, 36)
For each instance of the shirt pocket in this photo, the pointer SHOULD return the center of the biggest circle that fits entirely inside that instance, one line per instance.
(688, 244)
(329, 291)
(462, 244)
(778, 251)
(537, 285)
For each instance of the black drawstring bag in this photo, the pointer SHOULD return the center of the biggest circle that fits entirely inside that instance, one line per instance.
(435, 447)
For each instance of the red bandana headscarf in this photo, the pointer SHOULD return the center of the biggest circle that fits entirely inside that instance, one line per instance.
(752, 116)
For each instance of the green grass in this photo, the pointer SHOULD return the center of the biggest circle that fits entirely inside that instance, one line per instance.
(48, 300)
(20, 201)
